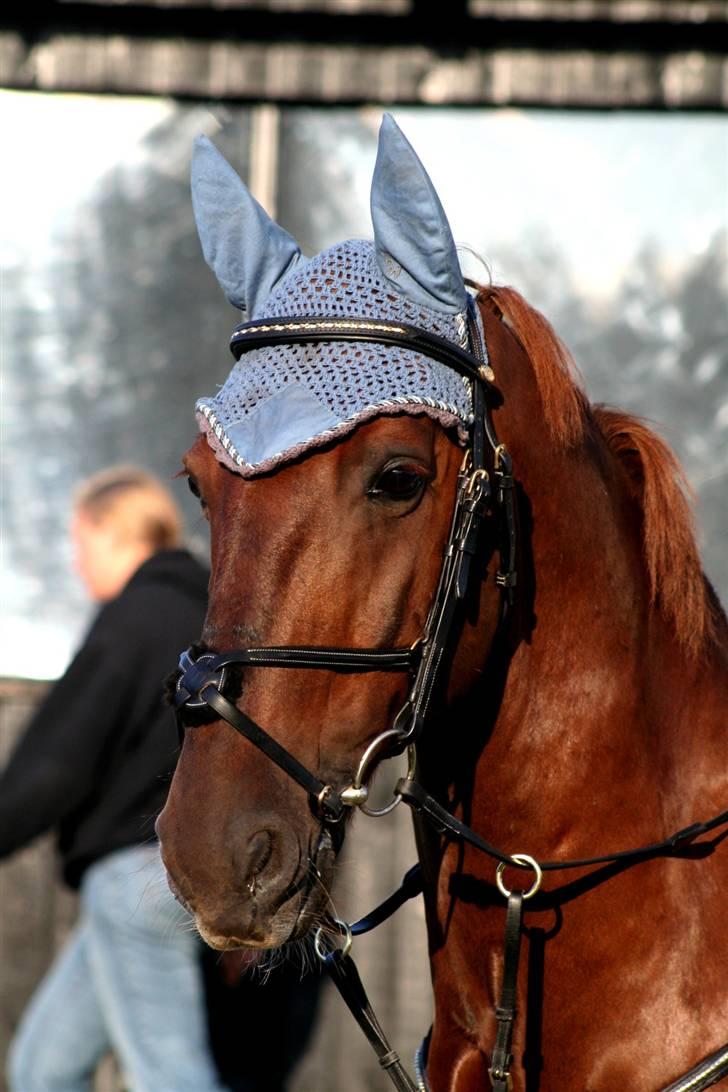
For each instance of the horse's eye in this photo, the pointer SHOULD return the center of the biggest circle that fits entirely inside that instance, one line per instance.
(398, 483)
(195, 490)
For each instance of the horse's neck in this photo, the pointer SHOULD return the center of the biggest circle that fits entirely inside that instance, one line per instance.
(600, 697)
(599, 704)
(602, 706)
(606, 738)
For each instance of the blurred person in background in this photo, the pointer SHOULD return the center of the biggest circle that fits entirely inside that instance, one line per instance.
(94, 765)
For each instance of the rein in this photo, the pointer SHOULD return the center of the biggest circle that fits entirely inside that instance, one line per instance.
(485, 487)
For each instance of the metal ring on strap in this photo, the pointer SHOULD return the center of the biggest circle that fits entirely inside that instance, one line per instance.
(318, 939)
(523, 859)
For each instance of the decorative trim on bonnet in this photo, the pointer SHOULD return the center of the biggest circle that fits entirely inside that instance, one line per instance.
(447, 415)
(291, 325)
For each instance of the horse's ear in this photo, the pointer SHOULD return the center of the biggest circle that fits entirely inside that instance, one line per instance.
(415, 248)
(247, 251)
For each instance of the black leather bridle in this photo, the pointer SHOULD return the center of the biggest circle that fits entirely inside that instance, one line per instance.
(203, 677)
(485, 488)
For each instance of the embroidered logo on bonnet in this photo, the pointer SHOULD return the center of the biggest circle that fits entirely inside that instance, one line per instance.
(281, 401)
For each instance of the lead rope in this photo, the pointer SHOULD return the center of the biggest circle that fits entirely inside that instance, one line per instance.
(343, 973)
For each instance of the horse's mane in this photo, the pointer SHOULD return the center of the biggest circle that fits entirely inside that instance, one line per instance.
(657, 481)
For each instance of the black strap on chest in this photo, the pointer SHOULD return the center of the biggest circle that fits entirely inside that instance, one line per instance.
(443, 821)
(505, 1013)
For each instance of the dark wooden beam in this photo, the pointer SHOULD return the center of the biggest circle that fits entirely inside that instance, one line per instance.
(253, 54)
(447, 28)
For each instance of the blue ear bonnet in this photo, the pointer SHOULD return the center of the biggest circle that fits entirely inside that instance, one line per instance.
(279, 402)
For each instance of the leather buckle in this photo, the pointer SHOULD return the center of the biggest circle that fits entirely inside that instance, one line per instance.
(500, 1075)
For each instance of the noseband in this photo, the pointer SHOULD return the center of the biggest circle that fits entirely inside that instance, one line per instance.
(202, 679)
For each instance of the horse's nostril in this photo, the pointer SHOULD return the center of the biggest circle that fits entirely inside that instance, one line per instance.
(259, 853)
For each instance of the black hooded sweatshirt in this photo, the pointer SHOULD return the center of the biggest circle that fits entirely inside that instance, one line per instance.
(96, 760)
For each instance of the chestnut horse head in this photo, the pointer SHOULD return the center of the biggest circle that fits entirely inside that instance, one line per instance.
(366, 534)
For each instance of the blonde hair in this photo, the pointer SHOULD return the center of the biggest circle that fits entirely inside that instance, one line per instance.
(140, 507)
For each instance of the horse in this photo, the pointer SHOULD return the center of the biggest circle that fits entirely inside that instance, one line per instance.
(572, 704)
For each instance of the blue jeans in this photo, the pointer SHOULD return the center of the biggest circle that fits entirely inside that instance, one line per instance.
(128, 980)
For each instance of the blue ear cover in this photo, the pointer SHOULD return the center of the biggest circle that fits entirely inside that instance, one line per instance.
(414, 243)
(247, 251)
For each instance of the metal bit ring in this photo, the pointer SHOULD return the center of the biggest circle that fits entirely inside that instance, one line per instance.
(524, 859)
(363, 769)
